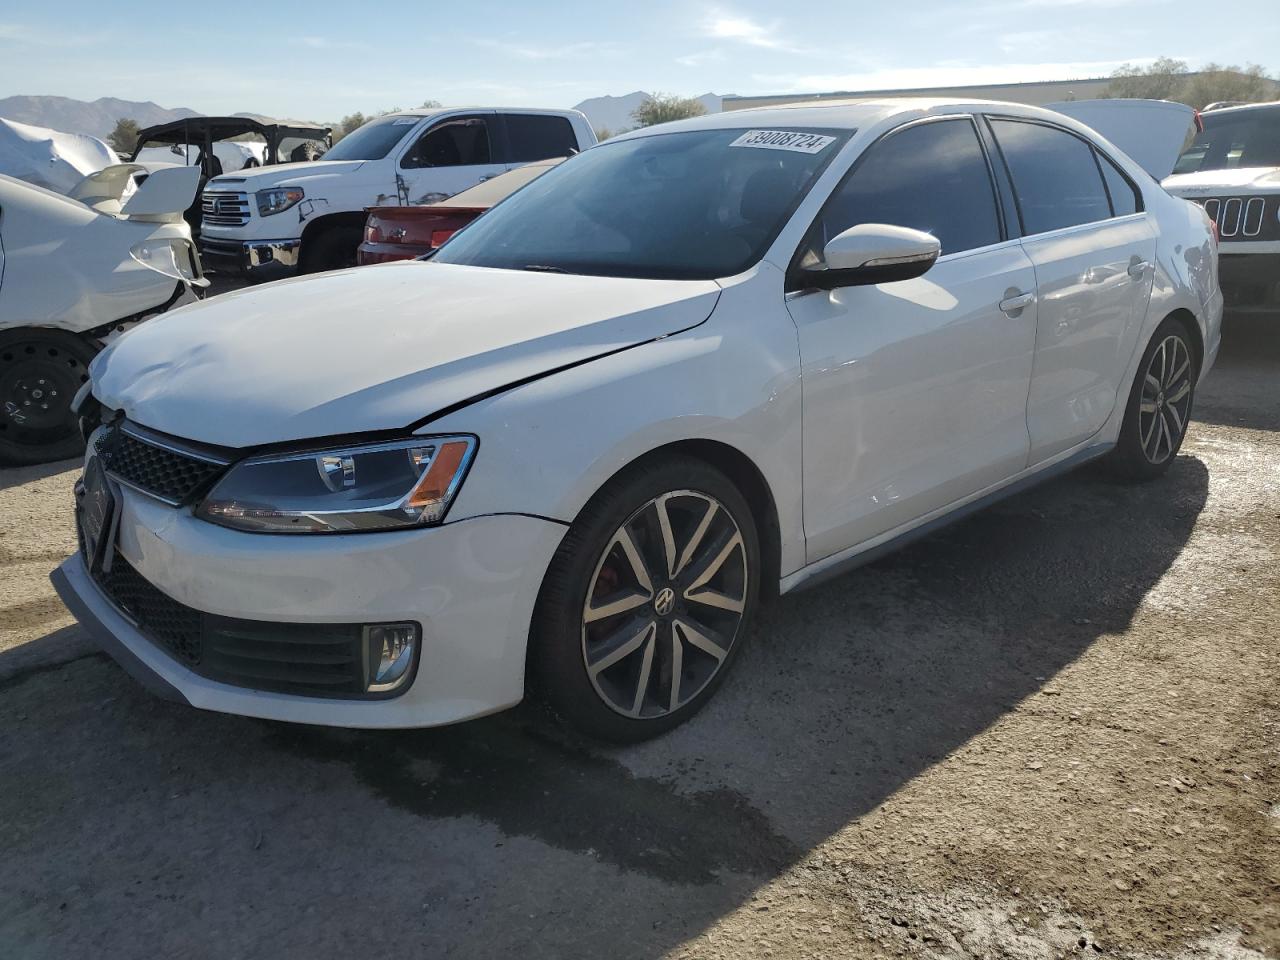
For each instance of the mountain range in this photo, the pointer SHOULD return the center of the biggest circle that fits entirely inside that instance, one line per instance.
(99, 117)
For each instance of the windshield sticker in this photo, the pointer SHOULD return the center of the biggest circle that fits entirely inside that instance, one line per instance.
(784, 140)
(404, 121)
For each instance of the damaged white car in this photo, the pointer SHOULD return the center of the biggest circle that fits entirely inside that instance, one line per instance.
(74, 271)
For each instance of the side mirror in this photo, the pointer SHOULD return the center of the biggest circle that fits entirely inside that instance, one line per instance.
(871, 253)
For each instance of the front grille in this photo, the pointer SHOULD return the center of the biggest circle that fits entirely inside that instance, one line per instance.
(324, 660)
(164, 469)
(224, 209)
(1243, 218)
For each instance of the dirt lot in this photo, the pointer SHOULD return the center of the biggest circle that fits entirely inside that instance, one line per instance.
(1052, 730)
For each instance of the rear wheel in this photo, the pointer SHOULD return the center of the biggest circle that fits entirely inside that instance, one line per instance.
(332, 250)
(40, 372)
(1159, 406)
(647, 601)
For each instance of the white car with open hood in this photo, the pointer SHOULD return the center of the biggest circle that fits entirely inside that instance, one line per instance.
(685, 370)
(74, 271)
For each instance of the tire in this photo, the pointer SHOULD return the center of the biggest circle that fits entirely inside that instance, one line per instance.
(608, 667)
(40, 372)
(1159, 405)
(334, 249)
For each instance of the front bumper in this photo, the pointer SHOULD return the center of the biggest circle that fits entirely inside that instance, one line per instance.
(1250, 282)
(471, 584)
(255, 259)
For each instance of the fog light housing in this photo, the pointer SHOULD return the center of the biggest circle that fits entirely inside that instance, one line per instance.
(389, 653)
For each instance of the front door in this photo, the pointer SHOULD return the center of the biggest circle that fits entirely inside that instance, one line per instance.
(914, 392)
(1093, 250)
(451, 155)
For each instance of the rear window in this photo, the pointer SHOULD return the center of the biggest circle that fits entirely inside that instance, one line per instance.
(1237, 138)
(532, 137)
(1055, 177)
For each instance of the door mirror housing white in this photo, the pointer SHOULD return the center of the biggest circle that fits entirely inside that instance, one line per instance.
(872, 253)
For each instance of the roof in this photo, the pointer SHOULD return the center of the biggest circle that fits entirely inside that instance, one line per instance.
(220, 128)
(1238, 108)
(836, 114)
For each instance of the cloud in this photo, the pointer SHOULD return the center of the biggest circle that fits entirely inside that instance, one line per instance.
(324, 43)
(721, 24)
(23, 35)
(701, 58)
(549, 52)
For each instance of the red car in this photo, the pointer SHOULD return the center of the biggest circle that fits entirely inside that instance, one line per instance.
(402, 233)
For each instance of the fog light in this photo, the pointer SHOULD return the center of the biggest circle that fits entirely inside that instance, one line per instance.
(389, 651)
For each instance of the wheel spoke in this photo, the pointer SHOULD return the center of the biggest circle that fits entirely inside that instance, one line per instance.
(1151, 382)
(713, 598)
(1177, 374)
(614, 607)
(1152, 439)
(1177, 422)
(677, 667)
(668, 537)
(1182, 391)
(707, 641)
(646, 665)
(1147, 406)
(695, 541)
(1165, 435)
(638, 567)
(623, 643)
(717, 560)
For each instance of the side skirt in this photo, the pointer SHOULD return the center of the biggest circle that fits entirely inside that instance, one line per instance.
(839, 563)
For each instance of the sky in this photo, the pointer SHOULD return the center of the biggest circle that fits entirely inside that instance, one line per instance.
(328, 58)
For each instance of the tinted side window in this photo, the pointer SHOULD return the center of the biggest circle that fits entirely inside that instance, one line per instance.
(1125, 198)
(1055, 177)
(459, 142)
(931, 177)
(539, 138)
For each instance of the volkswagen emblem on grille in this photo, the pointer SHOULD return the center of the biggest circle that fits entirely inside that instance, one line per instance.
(664, 602)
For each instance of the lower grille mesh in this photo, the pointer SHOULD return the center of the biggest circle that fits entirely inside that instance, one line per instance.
(306, 659)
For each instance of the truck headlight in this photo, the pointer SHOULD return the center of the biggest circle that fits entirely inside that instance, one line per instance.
(277, 199)
(386, 486)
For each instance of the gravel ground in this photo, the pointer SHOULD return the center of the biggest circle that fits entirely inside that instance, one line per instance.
(1051, 730)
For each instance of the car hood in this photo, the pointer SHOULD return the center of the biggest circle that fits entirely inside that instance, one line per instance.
(373, 348)
(260, 178)
(1204, 181)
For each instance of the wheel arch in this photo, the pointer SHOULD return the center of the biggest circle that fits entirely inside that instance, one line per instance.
(744, 474)
(1188, 320)
(330, 221)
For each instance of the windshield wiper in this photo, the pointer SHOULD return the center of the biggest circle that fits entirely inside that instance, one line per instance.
(543, 268)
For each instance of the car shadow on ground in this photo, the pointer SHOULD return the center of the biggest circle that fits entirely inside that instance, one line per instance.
(132, 823)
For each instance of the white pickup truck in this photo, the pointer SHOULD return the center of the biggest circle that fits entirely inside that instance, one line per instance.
(307, 217)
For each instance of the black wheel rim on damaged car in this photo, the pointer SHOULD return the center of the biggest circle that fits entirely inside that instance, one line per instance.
(39, 378)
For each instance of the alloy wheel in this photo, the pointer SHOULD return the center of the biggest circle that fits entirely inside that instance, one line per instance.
(1165, 402)
(665, 604)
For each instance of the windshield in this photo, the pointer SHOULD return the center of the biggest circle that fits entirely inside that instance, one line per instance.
(695, 205)
(373, 141)
(1239, 138)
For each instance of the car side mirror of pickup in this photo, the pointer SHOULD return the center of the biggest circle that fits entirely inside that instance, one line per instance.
(871, 253)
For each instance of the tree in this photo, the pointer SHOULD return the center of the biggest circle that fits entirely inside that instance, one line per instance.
(1214, 83)
(349, 123)
(603, 134)
(124, 137)
(1168, 79)
(1162, 80)
(665, 107)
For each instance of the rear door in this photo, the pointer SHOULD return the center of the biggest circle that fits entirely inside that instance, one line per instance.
(914, 392)
(1093, 248)
(531, 137)
(449, 156)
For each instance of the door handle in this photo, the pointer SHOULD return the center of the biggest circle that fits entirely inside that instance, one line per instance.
(1138, 268)
(1014, 305)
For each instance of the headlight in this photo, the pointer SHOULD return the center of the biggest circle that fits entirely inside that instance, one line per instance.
(277, 199)
(383, 486)
(173, 257)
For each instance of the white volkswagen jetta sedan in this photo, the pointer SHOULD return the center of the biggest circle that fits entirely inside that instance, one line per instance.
(687, 369)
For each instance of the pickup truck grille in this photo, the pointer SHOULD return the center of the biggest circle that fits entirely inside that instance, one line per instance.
(225, 209)
(1243, 218)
